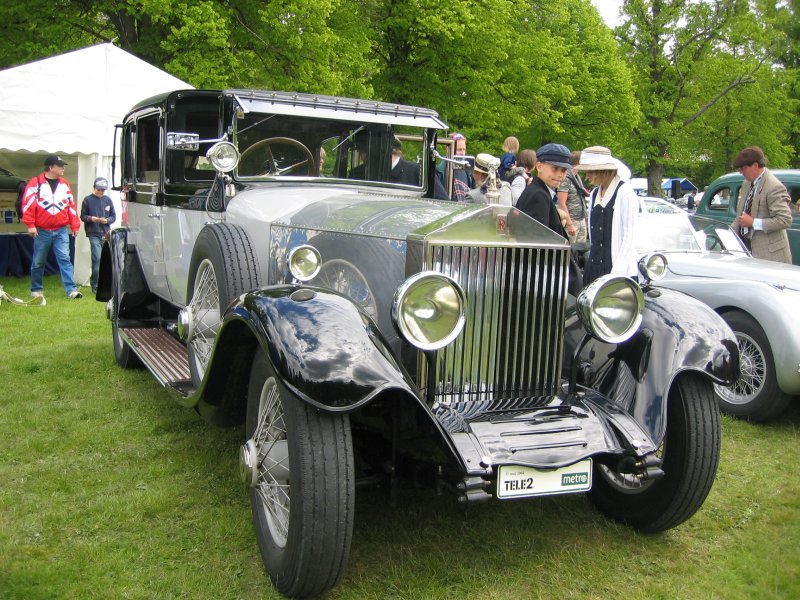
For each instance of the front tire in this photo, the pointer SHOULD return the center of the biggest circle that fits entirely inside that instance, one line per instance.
(755, 396)
(223, 267)
(690, 452)
(299, 464)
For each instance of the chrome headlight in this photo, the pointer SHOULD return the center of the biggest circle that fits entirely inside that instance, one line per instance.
(428, 310)
(223, 156)
(611, 308)
(653, 266)
(304, 262)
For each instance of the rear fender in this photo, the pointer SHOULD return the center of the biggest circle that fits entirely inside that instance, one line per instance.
(678, 334)
(132, 291)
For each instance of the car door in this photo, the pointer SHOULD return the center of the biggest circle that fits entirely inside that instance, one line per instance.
(142, 181)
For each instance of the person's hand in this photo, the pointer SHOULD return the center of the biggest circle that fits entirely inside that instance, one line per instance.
(571, 230)
(746, 220)
(32, 231)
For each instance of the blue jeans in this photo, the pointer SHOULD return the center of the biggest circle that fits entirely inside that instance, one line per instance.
(97, 247)
(59, 240)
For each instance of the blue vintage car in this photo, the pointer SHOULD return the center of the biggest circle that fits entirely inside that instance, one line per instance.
(283, 263)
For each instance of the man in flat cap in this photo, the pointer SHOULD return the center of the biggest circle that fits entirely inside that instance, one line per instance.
(539, 198)
(50, 213)
(763, 213)
(97, 214)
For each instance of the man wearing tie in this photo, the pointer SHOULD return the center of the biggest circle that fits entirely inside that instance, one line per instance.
(763, 208)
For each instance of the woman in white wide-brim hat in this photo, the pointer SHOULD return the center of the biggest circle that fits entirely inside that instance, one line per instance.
(613, 208)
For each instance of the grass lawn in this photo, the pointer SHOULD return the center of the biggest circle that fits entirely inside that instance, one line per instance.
(111, 490)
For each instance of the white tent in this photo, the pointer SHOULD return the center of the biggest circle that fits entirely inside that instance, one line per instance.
(68, 105)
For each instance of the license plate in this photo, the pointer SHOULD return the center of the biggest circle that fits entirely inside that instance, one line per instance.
(515, 481)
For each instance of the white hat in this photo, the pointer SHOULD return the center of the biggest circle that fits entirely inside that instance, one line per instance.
(485, 162)
(598, 158)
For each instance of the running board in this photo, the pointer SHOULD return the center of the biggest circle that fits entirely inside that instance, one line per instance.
(164, 356)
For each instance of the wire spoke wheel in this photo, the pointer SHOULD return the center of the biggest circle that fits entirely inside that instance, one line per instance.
(273, 474)
(205, 309)
(347, 279)
(223, 268)
(753, 366)
(298, 462)
(690, 453)
(756, 395)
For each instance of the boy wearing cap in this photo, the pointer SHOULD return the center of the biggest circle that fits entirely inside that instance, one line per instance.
(97, 213)
(539, 198)
(49, 212)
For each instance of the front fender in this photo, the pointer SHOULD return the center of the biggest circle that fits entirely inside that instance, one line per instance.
(678, 333)
(324, 348)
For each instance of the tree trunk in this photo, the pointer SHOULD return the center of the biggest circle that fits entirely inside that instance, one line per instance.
(655, 173)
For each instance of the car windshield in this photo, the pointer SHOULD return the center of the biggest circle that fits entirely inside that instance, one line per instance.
(684, 233)
(280, 145)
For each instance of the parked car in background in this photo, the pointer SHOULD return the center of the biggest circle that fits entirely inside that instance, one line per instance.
(653, 205)
(10, 188)
(272, 270)
(759, 299)
(720, 199)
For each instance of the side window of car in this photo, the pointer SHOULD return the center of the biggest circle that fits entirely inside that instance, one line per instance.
(794, 194)
(721, 199)
(147, 156)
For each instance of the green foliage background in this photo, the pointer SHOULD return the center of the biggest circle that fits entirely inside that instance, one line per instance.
(677, 89)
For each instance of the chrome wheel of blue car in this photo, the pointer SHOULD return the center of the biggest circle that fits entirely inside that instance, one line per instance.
(755, 395)
(298, 462)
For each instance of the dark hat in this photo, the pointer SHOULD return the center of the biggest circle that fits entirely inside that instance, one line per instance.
(53, 159)
(554, 154)
(748, 156)
(101, 183)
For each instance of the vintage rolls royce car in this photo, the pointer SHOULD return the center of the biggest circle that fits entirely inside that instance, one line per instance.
(282, 264)
(757, 298)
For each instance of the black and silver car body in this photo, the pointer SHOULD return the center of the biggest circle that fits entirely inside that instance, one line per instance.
(363, 331)
(757, 298)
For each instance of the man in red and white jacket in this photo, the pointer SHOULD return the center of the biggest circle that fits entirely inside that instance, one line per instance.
(50, 213)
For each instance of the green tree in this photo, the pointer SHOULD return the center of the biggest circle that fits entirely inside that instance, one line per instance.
(301, 45)
(542, 70)
(669, 44)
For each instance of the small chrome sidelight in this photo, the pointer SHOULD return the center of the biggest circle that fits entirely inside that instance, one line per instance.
(653, 267)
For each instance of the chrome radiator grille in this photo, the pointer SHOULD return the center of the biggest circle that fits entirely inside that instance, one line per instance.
(512, 343)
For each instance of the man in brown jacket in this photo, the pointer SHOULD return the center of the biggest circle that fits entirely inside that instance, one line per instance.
(762, 207)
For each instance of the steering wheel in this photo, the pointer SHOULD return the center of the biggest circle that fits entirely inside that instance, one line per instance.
(273, 168)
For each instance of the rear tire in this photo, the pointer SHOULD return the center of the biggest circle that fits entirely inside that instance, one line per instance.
(223, 267)
(755, 396)
(302, 485)
(690, 452)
